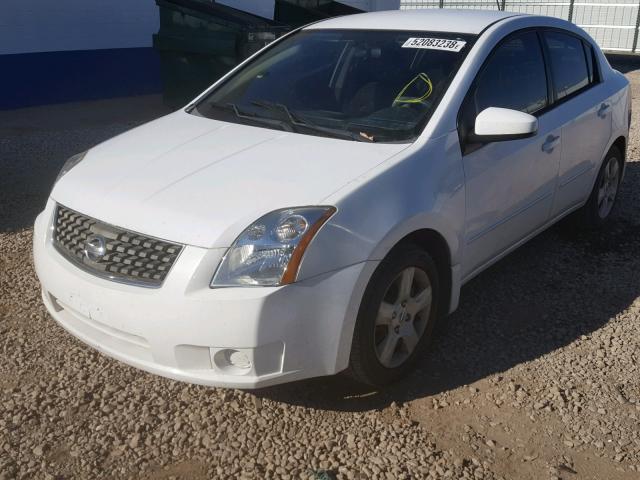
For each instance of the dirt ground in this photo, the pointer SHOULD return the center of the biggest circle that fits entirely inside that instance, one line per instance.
(536, 376)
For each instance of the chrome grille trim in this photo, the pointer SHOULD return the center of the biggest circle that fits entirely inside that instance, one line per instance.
(129, 257)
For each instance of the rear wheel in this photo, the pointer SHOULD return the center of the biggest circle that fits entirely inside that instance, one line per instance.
(396, 318)
(598, 208)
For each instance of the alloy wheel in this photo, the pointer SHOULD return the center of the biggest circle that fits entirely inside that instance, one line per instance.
(402, 317)
(608, 188)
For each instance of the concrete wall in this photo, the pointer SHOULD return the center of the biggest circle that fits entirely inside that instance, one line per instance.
(28, 26)
(54, 51)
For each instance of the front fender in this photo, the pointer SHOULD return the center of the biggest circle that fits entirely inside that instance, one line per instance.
(422, 188)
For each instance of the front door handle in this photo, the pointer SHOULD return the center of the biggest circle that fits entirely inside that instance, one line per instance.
(550, 143)
(602, 111)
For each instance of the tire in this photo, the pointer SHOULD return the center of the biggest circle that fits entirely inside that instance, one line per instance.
(375, 359)
(604, 194)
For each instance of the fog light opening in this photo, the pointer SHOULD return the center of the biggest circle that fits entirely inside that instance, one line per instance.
(232, 361)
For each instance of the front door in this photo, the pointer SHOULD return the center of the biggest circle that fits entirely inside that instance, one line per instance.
(510, 185)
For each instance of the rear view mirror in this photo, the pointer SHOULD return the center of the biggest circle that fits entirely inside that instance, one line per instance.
(498, 124)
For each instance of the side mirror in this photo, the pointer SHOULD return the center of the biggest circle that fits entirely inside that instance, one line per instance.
(499, 124)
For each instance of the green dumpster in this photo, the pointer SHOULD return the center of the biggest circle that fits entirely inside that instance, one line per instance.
(301, 12)
(200, 40)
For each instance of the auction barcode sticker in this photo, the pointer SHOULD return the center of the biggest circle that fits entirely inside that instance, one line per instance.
(435, 44)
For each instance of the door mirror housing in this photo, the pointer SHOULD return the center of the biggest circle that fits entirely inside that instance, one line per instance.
(495, 124)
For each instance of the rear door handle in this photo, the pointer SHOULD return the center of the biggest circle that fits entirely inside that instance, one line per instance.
(550, 143)
(602, 111)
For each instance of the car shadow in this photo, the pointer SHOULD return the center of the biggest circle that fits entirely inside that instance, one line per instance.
(560, 286)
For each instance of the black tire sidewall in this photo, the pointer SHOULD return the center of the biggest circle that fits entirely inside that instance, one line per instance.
(592, 216)
(364, 363)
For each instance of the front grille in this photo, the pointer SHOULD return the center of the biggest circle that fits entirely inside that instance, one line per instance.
(112, 252)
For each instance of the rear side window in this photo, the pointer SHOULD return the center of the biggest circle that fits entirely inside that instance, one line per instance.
(514, 77)
(569, 68)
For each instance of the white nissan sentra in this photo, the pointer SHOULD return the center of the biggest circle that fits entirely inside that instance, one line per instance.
(319, 208)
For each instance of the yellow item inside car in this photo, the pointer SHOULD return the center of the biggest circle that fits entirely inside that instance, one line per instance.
(416, 91)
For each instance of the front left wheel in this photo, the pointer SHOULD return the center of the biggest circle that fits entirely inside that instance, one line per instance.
(396, 318)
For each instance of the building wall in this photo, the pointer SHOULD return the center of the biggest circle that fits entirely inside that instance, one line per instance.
(28, 26)
(54, 51)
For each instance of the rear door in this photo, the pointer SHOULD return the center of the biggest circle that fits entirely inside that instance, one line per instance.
(509, 184)
(581, 104)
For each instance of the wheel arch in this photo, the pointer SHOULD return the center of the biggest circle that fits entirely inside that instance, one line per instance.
(621, 144)
(432, 241)
(443, 246)
(438, 236)
(435, 245)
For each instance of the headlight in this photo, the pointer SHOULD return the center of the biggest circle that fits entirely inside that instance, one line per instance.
(69, 164)
(269, 251)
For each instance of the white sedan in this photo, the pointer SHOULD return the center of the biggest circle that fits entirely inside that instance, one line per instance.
(318, 209)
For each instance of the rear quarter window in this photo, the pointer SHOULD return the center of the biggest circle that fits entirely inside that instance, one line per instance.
(592, 63)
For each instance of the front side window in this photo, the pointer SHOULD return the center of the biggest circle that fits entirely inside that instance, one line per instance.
(371, 86)
(569, 67)
(514, 77)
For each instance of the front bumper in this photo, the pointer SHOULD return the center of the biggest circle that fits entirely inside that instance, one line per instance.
(231, 337)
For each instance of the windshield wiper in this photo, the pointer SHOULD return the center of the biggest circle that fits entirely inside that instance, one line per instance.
(296, 121)
(254, 118)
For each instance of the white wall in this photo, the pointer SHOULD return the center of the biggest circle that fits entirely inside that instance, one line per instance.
(28, 26)
(53, 25)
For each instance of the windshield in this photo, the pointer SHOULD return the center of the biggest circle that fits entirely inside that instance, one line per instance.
(369, 86)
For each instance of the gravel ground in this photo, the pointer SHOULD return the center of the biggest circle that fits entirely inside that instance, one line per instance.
(534, 377)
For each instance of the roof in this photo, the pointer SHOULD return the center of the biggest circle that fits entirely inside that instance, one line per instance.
(429, 20)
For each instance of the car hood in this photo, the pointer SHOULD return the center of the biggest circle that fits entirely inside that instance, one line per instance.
(200, 182)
